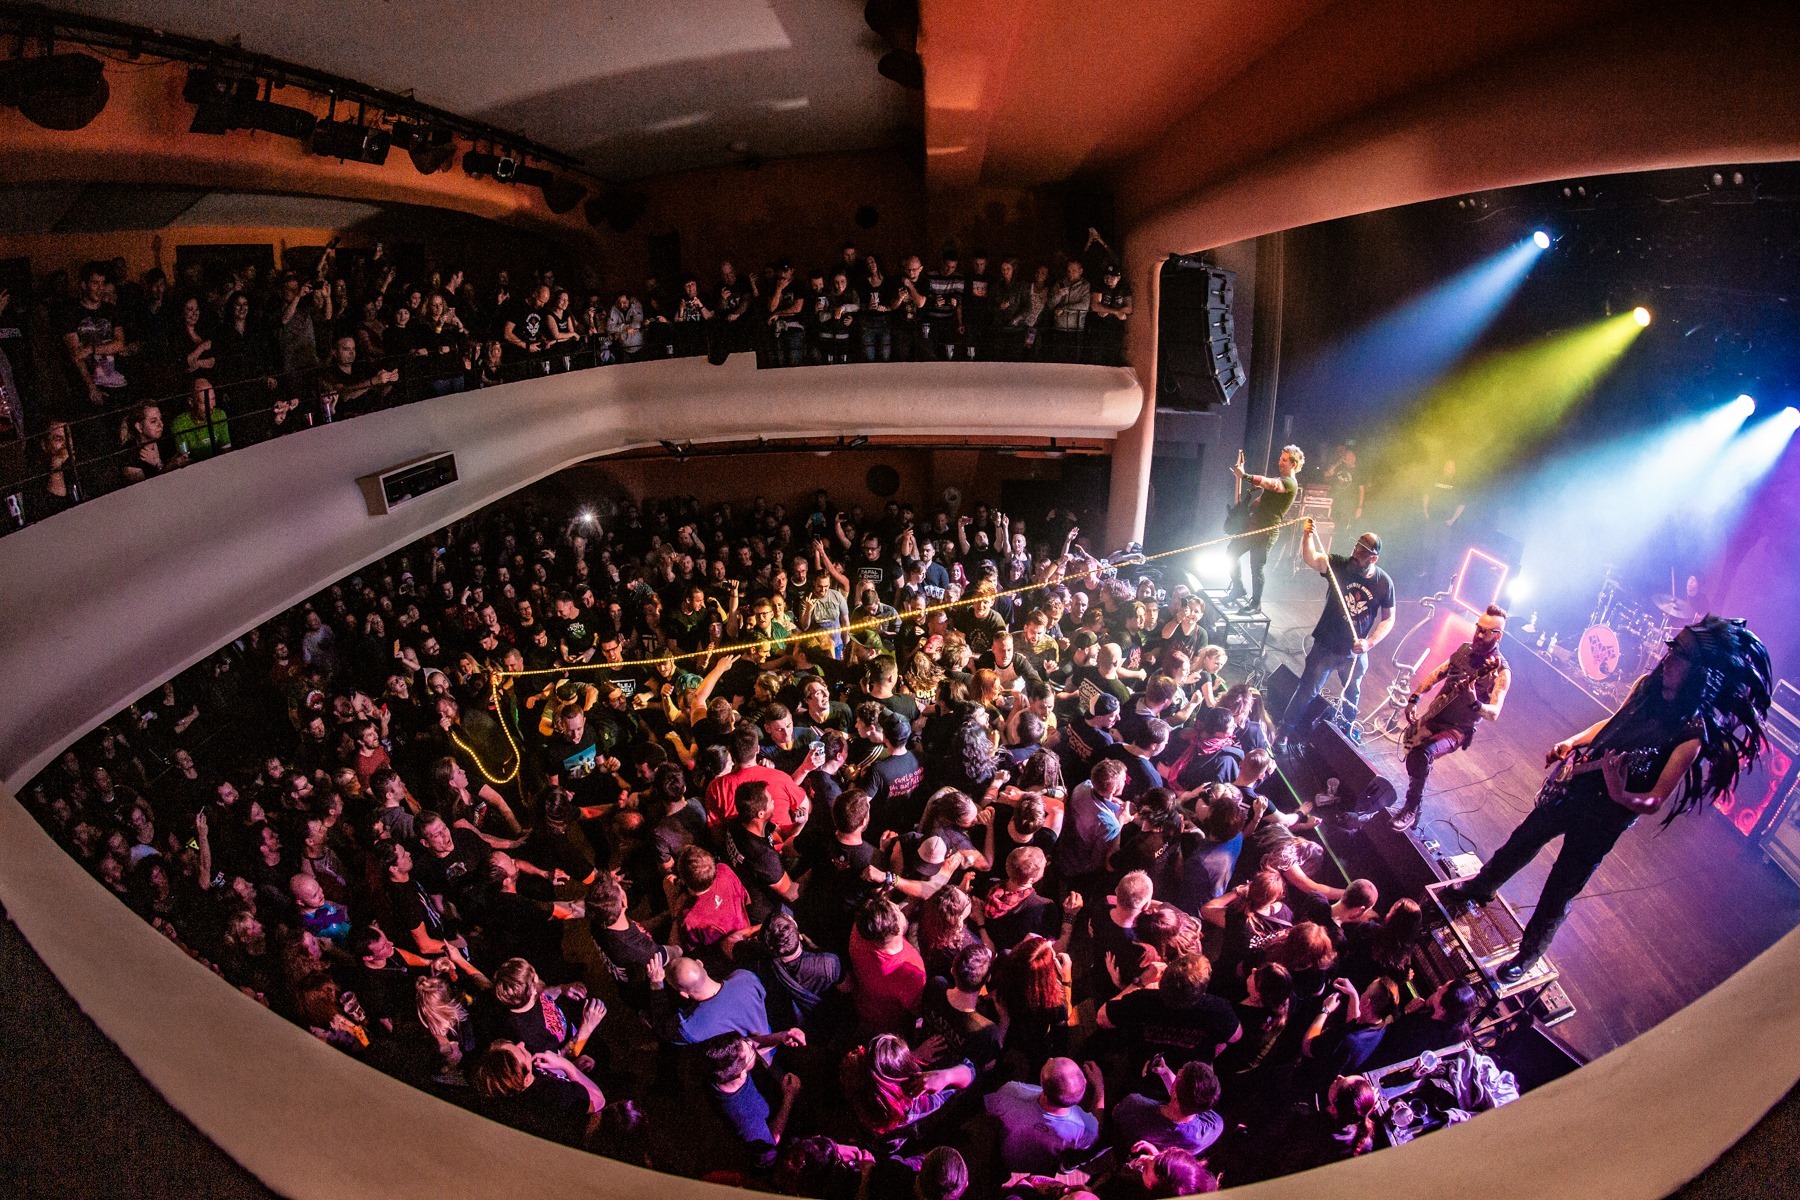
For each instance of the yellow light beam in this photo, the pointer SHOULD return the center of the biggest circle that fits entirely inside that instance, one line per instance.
(1488, 413)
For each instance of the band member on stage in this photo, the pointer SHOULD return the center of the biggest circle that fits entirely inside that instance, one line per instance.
(1683, 734)
(1475, 680)
(1275, 496)
(1359, 612)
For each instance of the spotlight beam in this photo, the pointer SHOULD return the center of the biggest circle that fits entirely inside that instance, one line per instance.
(1399, 354)
(1489, 412)
(1607, 504)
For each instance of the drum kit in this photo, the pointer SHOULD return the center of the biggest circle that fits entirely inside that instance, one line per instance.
(1625, 639)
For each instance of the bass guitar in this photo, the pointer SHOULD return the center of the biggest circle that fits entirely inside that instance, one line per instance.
(1237, 517)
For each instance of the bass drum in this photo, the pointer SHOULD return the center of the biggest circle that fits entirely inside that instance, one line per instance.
(1598, 653)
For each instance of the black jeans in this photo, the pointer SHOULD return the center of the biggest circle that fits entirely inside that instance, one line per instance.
(1258, 549)
(1589, 825)
(1419, 760)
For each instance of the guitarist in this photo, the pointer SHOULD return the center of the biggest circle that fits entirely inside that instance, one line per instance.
(1254, 519)
(1475, 681)
(1683, 734)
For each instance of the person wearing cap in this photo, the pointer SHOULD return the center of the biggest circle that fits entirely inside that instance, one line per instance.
(923, 865)
(1346, 631)
(1107, 314)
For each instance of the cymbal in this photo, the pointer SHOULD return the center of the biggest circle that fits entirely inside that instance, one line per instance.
(1670, 606)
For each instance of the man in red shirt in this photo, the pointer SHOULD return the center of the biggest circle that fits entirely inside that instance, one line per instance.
(887, 975)
(784, 794)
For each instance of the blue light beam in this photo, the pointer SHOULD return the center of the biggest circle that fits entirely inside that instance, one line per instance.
(1396, 356)
(1740, 469)
(1604, 504)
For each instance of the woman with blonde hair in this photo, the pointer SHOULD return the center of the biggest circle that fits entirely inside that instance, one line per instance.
(447, 1023)
(944, 929)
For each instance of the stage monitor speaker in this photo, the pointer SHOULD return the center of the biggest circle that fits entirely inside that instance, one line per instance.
(1278, 691)
(1197, 363)
(1361, 787)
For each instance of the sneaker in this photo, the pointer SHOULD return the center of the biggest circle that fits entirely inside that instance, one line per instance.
(1403, 820)
(1253, 609)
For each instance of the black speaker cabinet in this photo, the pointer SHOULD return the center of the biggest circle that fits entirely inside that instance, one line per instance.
(1197, 364)
(1363, 789)
(1278, 691)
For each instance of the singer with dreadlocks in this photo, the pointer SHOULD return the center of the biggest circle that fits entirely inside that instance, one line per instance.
(1684, 733)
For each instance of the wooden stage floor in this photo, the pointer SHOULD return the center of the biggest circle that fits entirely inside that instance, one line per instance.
(1670, 913)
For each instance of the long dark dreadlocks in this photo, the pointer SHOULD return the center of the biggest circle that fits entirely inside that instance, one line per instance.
(1726, 693)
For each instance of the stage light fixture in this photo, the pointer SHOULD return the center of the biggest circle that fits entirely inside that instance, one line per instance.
(64, 92)
(351, 141)
(1744, 405)
(223, 103)
(1541, 239)
(431, 147)
(497, 166)
(1213, 567)
(1517, 589)
(1641, 315)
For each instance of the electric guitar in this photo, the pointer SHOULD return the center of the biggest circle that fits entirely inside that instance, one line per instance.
(1237, 517)
(1417, 726)
(1585, 760)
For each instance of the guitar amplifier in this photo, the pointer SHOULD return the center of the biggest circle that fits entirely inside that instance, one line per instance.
(1757, 803)
(1315, 502)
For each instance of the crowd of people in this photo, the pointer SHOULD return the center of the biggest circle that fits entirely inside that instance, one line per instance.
(106, 380)
(703, 839)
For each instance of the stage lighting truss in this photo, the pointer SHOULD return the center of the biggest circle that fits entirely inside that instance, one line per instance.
(1480, 581)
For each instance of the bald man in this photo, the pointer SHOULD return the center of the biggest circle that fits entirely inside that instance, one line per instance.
(1045, 1122)
(690, 1006)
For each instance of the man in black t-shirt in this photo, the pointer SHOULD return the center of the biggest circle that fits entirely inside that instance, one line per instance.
(345, 388)
(91, 333)
(1107, 314)
(571, 758)
(747, 846)
(1178, 1019)
(524, 331)
(835, 855)
(1364, 594)
(1274, 496)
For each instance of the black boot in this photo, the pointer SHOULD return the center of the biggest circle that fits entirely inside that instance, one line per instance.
(1517, 967)
(1461, 894)
(1406, 818)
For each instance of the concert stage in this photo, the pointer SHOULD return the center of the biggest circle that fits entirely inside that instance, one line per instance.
(1670, 913)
